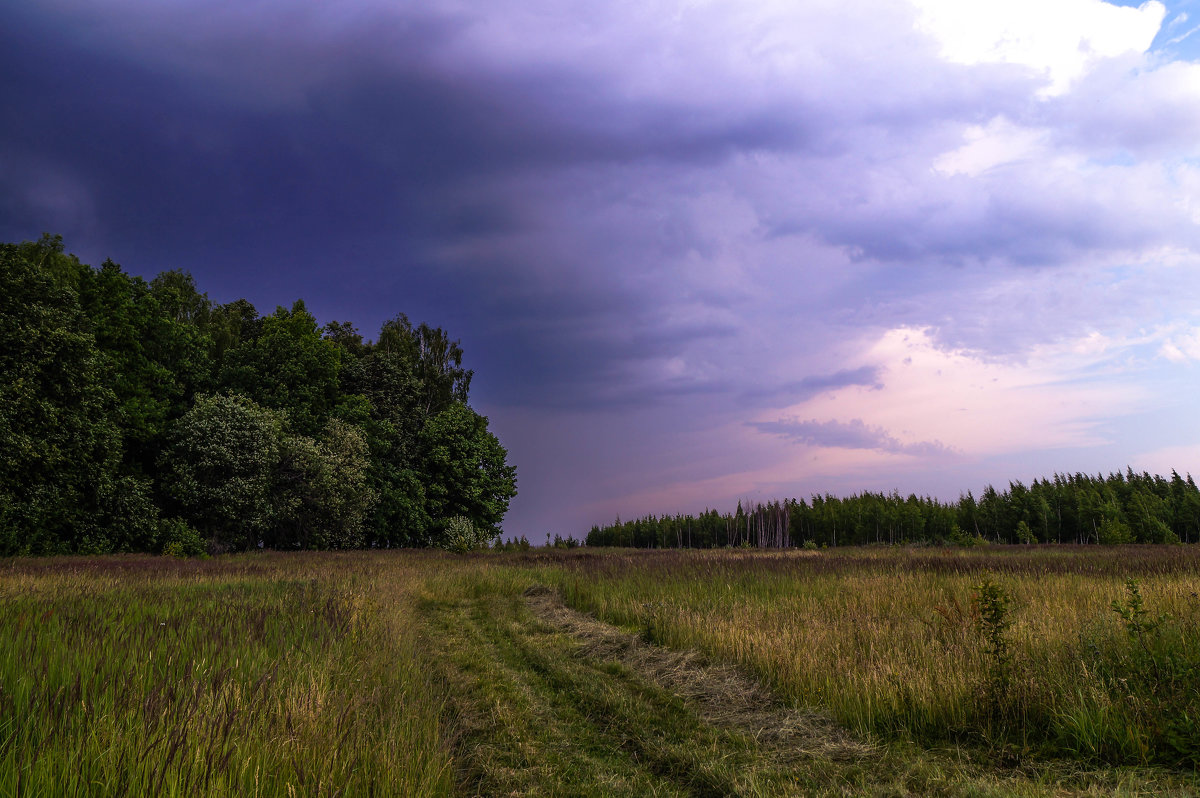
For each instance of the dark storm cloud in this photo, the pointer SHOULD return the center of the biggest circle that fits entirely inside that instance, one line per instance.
(387, 87)
(591, 347)
(169, 168)
(263, 160)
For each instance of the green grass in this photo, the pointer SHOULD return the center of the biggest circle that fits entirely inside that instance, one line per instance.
(252, 676)
(539, 716)
(583, 673)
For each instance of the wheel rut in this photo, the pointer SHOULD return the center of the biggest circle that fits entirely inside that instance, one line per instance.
(723, 696)
(544, 700)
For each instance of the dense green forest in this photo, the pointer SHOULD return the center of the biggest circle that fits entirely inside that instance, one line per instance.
(1119, 508)
(141, 416)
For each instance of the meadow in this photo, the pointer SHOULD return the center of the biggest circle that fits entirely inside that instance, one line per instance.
(878, 671)
(268, 675)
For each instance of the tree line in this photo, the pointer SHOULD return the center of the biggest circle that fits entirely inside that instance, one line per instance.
(141, 416)
(1068, 508)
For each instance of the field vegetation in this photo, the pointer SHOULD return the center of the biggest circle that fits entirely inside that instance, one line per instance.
(1090, 653)
(988, 671)
(266, 675)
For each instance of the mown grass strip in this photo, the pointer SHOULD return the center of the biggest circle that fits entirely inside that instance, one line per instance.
(558, 721)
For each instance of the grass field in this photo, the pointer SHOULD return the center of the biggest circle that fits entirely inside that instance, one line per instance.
(852, 672)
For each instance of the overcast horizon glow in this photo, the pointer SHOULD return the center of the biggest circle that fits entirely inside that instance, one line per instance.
(696, 252)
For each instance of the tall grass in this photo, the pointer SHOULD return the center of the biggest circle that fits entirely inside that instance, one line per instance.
(390, 673)
(264, 675)
(891, 641)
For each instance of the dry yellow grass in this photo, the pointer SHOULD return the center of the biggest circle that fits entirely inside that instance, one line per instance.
(888, 642)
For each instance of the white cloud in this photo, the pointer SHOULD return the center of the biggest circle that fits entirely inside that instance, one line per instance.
(1183, 346)
(1060, 39)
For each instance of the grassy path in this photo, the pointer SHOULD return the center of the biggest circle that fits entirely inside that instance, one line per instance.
(540, 714)
(549, 701)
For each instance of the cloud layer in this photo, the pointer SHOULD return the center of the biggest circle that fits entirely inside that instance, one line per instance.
(694, 250)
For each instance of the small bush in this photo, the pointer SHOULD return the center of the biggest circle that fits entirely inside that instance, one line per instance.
(992, 604)
(462, 536)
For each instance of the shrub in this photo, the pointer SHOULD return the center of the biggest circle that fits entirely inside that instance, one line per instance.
(992, 604)
(461, 535)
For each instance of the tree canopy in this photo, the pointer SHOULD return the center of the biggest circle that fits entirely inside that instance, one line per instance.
(141, 416)
(1123, 507)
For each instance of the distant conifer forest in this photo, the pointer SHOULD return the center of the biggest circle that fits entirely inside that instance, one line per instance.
(141, 416)
(1068, 508)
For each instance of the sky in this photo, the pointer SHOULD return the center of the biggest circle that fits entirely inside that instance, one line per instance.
(696, 251)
